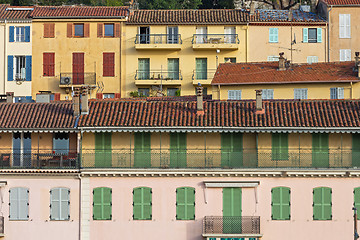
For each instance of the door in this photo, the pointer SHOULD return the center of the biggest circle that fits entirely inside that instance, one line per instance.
(201, 35)
(201, 68)
(178, 150)
(229, 35)
(173, 68)
(173, 35)
(144, 35)
(142, 150)
(78, 68)
(103, 153)
(144, 68)
(232, 210)
(320, 150)
(231, 150)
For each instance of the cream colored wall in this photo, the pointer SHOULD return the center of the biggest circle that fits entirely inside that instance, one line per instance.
(260, 47)
(187, 56)
(337, 43)
(3, 70)
(286, 91)
(63, 47)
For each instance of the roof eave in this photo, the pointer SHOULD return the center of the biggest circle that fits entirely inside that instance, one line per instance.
(274, 83)
(81, 17)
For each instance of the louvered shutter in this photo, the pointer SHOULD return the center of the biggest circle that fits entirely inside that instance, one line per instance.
(280, 203)
(55, 204)
(185, 203)
(322, 203)
(86, 30)
(180, 204)
(19, 204)
(10, 68)
(107, 203)
(14, 204)
(28, 63)
(347, 26)
(65, 204)
(319, 35)
(108, 64)
(341, 25)
(305, 35)
(117, 30)
(11, 34)
(102, 203)
(271, 35)
(333, 93)
(347, 54)
(69, 30)
(357, 200)
(342, 54)
(100, 27)
(340, 93)
(231, 94)
(97, 204)
(137, 207)
(142, 203)
(51, 30)
(46, 30)
(27, 34)
(238, 94)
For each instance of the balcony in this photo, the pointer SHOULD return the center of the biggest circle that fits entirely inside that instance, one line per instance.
(203, 77)
(146, 78)
(158, 41)
(77, 80)
(231, 227)
(221, 159)
(215, 41)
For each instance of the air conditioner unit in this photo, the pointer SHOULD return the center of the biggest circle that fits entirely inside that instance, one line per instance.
(65, 80)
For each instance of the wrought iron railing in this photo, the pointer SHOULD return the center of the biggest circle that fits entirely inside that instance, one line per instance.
(231, 225)
(203, 74)
(158, 75)
(77, 78)
(158, 39)
(215, 39)
(217, 158)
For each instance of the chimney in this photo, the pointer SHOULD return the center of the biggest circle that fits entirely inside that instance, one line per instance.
(290, 15)
(199, 99)
(10, 97)
(259, 105)
(252, 8)
(357, 58)
(76, 104)
(84, 101)
(282, 62)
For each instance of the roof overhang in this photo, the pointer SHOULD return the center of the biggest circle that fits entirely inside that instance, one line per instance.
(40, 130)
(274, 83)
(81, 17)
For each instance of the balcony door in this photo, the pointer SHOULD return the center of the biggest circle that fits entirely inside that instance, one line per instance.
(173, 68)
(229, 34)
(144, 68)
(201, 68)
(320, 150)
(232, 210)
(22, 149)
(78, 68)
(172, 36)
(201, 35)
(144, 33)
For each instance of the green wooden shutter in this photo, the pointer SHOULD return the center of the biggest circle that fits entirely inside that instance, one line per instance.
(322, 206)
(356, 150)
(185, 203)
(103, 149)
(173, 68)
(102, 203)
(231, 150)
(357, 200)
(280, 203)
(320, 150)
(142, 150)
(280, 146)
(178, 150)
(201, 68)
(144, 68)
(142, 203)
(232, 210)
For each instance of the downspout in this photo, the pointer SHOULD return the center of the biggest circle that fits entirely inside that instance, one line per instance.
(80, 199)
(247, 43)
(121, 34)
(5, 56)
(351, 90)
(328, 35)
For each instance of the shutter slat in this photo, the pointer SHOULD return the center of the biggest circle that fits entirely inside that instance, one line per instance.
(305, 35)
(69, 30)
(117, 30)
(86, 30)
(100, 27)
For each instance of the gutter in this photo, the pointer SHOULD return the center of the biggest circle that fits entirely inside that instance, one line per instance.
(81, 17)
(38, 130)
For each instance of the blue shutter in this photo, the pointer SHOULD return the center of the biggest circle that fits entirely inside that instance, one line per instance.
(305, 35)
(319, 35)
(28, 68)
(273, 35)
(27, 34)
(10, 68)
(11, 34)
(276, 34)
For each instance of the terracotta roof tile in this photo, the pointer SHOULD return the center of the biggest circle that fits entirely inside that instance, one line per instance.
(268, 73)
(265, 15)
(342, 2)
(78, 11)
(15, 12)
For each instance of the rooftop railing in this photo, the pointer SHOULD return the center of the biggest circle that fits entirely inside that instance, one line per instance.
(158, 75)
(215, 39)
(231, 225)
(158, 39)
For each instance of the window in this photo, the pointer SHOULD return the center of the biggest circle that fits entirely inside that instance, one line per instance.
(171, 92)
(61, 143)
(357, 199)
(49, 64)
(201, 69)
(173, 69)
(345, 55)
(173, 35)
(144, 35)
(108, 95)
(279, 146)
(144, 92)
(19, 34)
(337, 93)
(201, 35)
(312, 59)
(232, 209)
(109, 64)
(109, 30)
(144, 68)
(312, 35)
(320, 150)
(300, 93)
(344, 26)
(273, 58)
(322, 203)
(103, 149)
(234, 94)
(20, 67)
(229, 35)
(231, 150)
(142, 150)
(79, 30)
(49, 30)
(268, 94)
(102, 203)
(273, 35)
(178, 150)
(142, 203)
(280, 203)
(22, 149)
(19, 203)
(185, 203)
(230, 59)
(59, 204)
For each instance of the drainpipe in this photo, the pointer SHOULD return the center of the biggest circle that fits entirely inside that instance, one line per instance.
(247, 42)
(328, 33)
(79, 177)
(120, 53)
(5, 57)
(351, 90)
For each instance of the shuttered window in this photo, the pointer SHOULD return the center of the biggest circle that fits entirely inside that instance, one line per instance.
(60, 204)
(268, 94)
(49, 64)
(273, 35)
(300, 93)
(108, 64)
(305, 35)
(280, 203)
(320, 150)
(185, 203)
(344, 26)
(322, 203)
(231, 150)
(232, 210)
(19, 203)
(337, 93)
(102, 203)
(142, 203)
(234, 94)
(178, 150)
(345, 55)
(49, 30)
(357, 200)
(142, 150)
(103, 149)
(312, 59)
(280, 146)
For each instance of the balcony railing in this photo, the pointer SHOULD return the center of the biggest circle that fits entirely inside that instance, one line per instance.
(215, 39)
(231, 225)
(158, 39)
(203, 74)
(78, 79)
(158, 75)
(217, 158)
(41, 159)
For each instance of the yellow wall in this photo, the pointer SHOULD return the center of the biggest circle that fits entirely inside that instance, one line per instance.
(63, 47)
(5, 141)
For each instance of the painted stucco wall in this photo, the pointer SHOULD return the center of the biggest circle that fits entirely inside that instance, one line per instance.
(2, 58)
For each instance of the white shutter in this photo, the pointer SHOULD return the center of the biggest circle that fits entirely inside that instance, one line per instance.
(304, 93)
(333, 93)
(300, 93)
(340, 93)
(59, 207)
(347, 26)
(347, 54)
(342, 55)
(13, 203)
(273, 58)
(231, 94)
(238, 94)
(268, 94)
(341, 25)
(64, 204)
(19, 203)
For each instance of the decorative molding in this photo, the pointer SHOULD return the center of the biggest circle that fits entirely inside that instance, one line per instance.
(240, 184)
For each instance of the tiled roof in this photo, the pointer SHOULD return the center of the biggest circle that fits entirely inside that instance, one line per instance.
(263, 15)
(78, 11)
(268, 73)
(15, 12)
(342, 2)
(222, 114)
(36, 115)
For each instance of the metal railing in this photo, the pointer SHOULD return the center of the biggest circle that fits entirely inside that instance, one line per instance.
(203, 75)
(231, 225)
(77, 78)
(158, 75)
(158, 39)
(215, 39)
(217, 158)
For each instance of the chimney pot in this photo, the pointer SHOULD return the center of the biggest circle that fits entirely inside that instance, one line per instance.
(84, 101)
(252, 8)
(282, 62)
(10, 97)
(76, 102)
(259, 105)
(199, 98)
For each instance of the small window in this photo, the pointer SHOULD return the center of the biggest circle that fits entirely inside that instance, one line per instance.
(171, 92)
(230, 59)
(108, 95)
(312, 59)
(273, 35)
(300, 93)
(312, 35)
(234, 94)
(79, 30)
(109, 30)
(144, 92)
(268, 94)
(337, 93)
(273, 58)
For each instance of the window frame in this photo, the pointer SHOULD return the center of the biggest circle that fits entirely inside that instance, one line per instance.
(312, 40)
(19, 37)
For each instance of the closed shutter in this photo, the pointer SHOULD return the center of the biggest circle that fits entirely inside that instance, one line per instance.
(10, 68)
(27, 34)
(28, 63)
(49, 30)
(102, 203)
(305, 35)
(232, 210)
(86, 30)
(268, 94)
(280, 203)
(357, 200)
(11, 34)
(117, 30)
(69, 30)
(340, 93)
(320, 150)
(103, 149)
(322, 203)
(49, 64)
(333, 93)
(273, 35)
(280, 146)
(59, 204)
(231, 150)
(342, 54)
(347, 26)
(108, 64)
(319, 35)
(341, 25)
(142, 203)
(356, 150)
(347, 55)
(185, 203)
(142, 150)
(231, 94)
(100, 27)
(178, 150)
(19, 203)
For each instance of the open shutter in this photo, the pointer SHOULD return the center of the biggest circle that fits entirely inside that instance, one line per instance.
(86, 30)
(340, 93)
(11, 33)
(97, 204)
(305, 35)
(357, 199)
(28, 67)
(23, 197)
(117, 30)
(180, 203)
(319, 35)
(100, 27)
(27, 34)
(69, 30)
(107, 204)
(10, 68)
